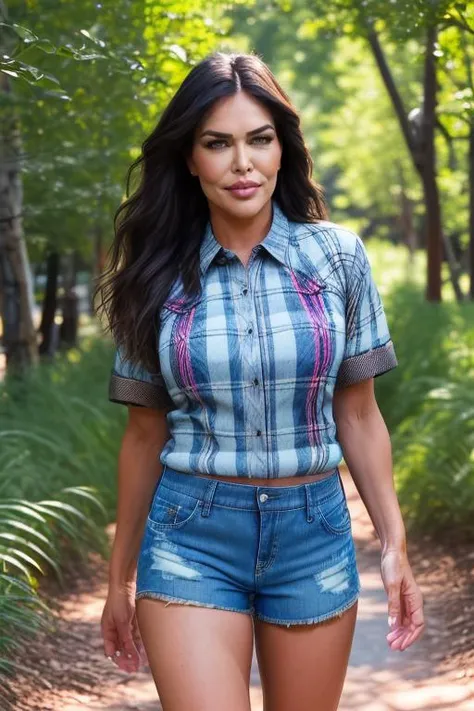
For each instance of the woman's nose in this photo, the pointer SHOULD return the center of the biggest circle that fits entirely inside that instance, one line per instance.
(242, 160)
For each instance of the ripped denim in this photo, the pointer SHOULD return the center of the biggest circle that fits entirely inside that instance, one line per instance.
(283, 554)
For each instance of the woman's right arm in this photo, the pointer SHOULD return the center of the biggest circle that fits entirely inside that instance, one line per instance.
(139, 469)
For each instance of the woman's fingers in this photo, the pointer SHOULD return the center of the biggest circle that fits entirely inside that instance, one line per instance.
(402, 637)
(119, 644)
(138, 642)
(405, 601)
(129, 659)
(109, 636)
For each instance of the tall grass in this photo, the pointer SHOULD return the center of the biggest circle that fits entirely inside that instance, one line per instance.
(428, 401)
(59, 440)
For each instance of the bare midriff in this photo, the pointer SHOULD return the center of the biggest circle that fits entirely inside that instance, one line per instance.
(284, 481)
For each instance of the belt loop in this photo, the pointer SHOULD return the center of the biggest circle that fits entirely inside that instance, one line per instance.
(309, 515)
(208, 497)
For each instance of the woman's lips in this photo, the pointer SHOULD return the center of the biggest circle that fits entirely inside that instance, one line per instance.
(243, 192)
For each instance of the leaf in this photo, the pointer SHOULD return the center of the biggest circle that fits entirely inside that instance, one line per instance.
(5, 522)
(24, 33)
(16, 564)
(96, 40)
(15, 554)
(32, 546)
(25, 508)
(86, 492)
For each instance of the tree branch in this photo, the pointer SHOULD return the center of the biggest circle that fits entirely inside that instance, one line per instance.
(454, 22)
(394, 94)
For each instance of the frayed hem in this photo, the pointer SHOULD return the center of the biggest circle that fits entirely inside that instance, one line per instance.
(312, 620)
(182, 601)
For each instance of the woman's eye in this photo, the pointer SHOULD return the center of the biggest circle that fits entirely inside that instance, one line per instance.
(213, 144)
(262, 140)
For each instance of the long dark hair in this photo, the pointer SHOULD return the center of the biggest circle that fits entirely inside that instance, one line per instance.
(158, 229)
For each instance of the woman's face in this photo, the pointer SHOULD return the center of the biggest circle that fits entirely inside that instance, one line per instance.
(236, 141)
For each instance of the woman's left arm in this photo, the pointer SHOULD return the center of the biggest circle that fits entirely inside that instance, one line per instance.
(367, 451)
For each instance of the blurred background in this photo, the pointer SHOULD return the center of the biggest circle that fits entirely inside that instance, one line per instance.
(386, 96)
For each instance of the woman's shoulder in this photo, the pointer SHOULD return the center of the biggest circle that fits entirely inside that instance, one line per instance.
(338, 237)
(330, 242)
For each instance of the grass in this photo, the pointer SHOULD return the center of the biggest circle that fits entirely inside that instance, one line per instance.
(59, 442)
(428, 401)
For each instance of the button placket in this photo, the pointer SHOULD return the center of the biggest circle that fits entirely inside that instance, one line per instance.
(252, 365)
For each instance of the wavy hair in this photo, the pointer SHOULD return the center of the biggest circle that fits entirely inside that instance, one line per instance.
(158, 228)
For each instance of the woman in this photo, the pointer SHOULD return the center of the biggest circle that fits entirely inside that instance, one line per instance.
(249, 331)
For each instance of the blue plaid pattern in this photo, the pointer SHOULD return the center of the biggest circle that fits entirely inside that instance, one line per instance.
(248, 367)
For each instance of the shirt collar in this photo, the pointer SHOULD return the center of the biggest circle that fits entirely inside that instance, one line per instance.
(276, 242)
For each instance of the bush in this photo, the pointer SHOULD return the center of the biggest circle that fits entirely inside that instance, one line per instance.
(428, 405)
(59, 442)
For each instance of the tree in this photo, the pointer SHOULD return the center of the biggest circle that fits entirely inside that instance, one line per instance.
(381, 25)
(19, 335)
(81, 134)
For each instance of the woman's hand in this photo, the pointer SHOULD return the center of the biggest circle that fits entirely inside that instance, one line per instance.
(405, 601)
(122, 641)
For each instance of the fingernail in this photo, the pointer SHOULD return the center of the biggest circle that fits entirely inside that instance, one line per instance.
(391, 621)
(129, 656)
(117, 653)
(109, 657)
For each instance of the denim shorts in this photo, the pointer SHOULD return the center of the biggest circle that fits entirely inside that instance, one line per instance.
(284, 554)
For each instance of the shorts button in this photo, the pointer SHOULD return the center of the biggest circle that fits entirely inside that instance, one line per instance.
(263, 497)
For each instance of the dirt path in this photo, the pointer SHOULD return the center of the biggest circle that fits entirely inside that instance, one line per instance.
(68, 672)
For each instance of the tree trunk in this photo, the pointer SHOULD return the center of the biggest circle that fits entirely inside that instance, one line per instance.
(19, 335)
(422, 151)
(47, 327)
(69, 327)
(428, 173)
(407, 227)
(471, 208)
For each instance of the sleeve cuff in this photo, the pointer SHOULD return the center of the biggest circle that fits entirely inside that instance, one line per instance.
(127, 391)
(367, 365)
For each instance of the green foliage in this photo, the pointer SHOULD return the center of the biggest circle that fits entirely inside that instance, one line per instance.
(22, 612)
(24, 40)
(59, 442)
(321, 54)
(78, 149)
(428, 404)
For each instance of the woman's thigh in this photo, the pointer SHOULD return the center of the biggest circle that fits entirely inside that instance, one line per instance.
(200, 657)
(304, 666)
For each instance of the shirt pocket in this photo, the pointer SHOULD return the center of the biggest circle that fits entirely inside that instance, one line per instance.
(175, 319)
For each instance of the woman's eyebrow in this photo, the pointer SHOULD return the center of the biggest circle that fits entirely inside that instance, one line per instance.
(229, 135)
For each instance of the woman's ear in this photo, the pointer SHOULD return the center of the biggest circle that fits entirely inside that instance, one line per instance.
(190, 165)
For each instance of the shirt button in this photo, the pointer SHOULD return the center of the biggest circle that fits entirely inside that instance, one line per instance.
(244, 292)
(255, 381)
(259, 432)
(250, 330)
(263, 497)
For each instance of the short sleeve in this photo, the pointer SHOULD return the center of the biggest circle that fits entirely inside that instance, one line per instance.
(369, 350)
(133, 385)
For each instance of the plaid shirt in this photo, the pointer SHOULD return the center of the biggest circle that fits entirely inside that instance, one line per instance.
(248, 368)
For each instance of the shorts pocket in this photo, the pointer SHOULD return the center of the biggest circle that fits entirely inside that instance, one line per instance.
(334, 514)
(172, 509)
